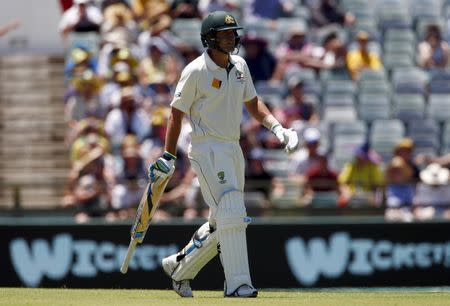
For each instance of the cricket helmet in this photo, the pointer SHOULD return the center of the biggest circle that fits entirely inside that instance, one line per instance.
(215, 22)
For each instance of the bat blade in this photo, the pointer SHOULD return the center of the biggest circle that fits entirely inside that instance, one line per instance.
(146, 209)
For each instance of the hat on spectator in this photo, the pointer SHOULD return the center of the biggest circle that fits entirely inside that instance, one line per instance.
(363, 35)
(81, 1)
(117, 14)
(79, 55)
(88, 158)
(364, 152)
(297, 29)
(295, 81)
(311, 135)
(404, 143)
(122, 72)
(435, 174)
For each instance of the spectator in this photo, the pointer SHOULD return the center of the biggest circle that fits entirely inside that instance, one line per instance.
(294, 53)
(131, 179)
(332, 53)
(190, 53)
(362, 58)
(129, 118)
(327, 12)
(80, 60)
(259, 60)
(118, 17)
(107, 3)
(117, 47)
(361, 179)
(257, 177)
(159, 66)
(207, 6)
(83, 16)
(433, 51)
(320, 181)
(88, 187)
(85, 101)
(404, 149)
(432, 197)
(148, 11)
(122, 77)
(88, 141)
(160, 28)
(308, 157)
(297, 107)
(400, 190)
(268, 9)
(185, 9)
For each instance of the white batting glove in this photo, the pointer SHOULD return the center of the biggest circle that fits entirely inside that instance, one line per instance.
(286, 136)
(162, 168)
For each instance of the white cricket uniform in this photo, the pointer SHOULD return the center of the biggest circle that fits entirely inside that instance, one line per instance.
(213, 99)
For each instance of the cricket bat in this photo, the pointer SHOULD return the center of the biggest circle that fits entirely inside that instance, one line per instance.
(147, 207)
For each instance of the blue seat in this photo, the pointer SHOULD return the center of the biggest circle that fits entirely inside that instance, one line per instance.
(439, 87)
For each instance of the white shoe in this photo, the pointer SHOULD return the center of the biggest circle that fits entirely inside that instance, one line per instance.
(244, 291)
(182, 288)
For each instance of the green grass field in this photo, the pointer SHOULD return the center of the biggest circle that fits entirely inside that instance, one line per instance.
(25, 296)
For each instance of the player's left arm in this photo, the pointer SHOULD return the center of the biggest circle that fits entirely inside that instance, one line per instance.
(260, 112)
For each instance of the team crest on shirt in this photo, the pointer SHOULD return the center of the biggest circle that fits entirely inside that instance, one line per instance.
(240, 76)
(221, 176)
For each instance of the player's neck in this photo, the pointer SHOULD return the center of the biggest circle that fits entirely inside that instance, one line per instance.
(221, 59)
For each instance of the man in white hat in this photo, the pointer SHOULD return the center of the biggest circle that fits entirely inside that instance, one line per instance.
(432, 197)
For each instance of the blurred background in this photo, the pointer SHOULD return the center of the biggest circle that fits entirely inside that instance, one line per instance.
(85, 88)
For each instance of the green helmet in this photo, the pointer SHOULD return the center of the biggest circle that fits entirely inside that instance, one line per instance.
(215, 22)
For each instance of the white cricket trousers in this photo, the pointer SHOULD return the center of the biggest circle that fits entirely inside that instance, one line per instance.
(220, 167)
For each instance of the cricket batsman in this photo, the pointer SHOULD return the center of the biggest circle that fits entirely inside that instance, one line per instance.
(211, 91)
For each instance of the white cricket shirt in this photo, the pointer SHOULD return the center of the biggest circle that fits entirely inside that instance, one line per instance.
(213, 97)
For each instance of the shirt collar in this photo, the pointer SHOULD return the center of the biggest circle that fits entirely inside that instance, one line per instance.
(210, 63)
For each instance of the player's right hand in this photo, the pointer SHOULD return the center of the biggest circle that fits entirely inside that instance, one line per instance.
(162, 168)
(286, 136)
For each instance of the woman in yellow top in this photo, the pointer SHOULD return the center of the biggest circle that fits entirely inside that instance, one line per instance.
(361, 179)
(362, 58)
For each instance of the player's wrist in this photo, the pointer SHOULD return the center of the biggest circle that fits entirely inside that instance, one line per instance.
(271, 123)
(169, 156)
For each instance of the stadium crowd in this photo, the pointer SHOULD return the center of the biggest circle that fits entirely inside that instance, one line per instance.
(364, 83)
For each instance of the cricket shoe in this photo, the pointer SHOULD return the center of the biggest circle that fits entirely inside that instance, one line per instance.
(244, 291)
(182, 288)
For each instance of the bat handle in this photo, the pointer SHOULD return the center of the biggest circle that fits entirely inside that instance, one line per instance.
(130, 251)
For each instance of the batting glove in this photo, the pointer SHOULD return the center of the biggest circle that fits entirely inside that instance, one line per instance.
(162, 168)
(286, 136)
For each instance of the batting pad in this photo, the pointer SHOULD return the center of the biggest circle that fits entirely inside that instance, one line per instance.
(232, 221)
(196, 254)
